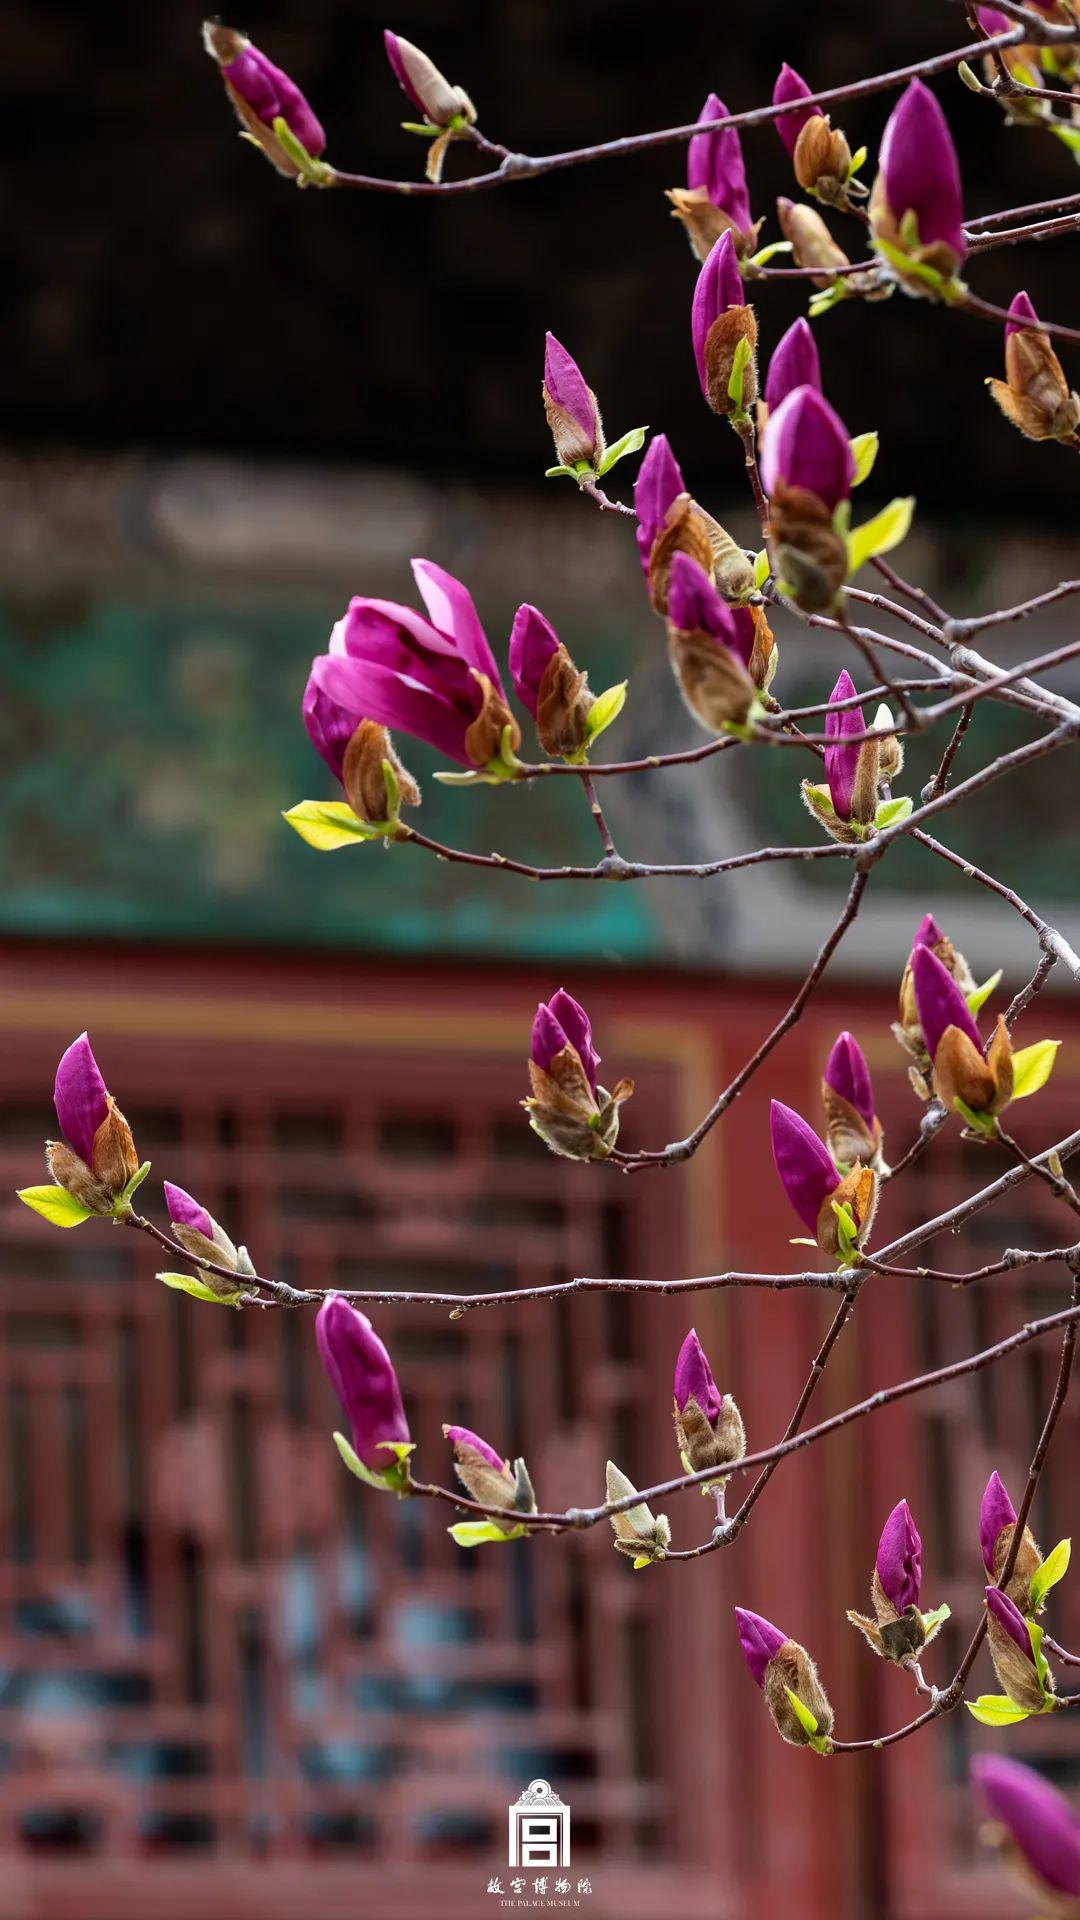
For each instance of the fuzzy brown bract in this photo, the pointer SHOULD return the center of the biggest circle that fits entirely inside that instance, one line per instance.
(704, 223)
(563, 704)
(721, 342)
(791, 1666)
(484, 737)
(1014, 1668)
(1035, 394)
(808, 555)
(847, 1135)
(1028, 1561)
(687, 529)
(961, 1072)
(363, 774)
(859, 1190)
(73, 1174)
(706, 1445)
(822, 160)
(565, 1113)
(714, 684)
(573, 443)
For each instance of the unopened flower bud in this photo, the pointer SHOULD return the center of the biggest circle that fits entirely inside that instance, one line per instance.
(573, 1114)
(795, 363)
(813, 1183)
(260, 94)
(487, 1477)
(707, 649)
(961, 1072)
(812, 245)
(1038, 1829)
(203, 1238)
(715, 199)
(720, 319)
(898, 1631)
(361, 1373)
(781, 1667)
(890, 747)
(1035, 394)
(791, 86)
(1013, 1655)
(997, 1521)
(853, 1130)
(99, 1158)
(571, 407)
(547, 682)
(908, 1029)
(442, 105)
(847, 806)
(822, 161)
(638, 1533)
(708, 1424)
(807, 468)
(916, 207)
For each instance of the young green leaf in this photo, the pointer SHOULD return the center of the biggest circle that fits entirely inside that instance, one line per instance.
(475, 1533)
(761, 568)
(1032, 1067)
(385, 1482)
(935, 1620)
(765, 254)
(631, 442)
(995, 1710)
(56, 1205)
(864, 449)
(879, 535)
(327, 824)
(890, 811)
(803, 1715)
(605, 708)
(738, 369)
(983, 1123)
(979, 996)
(1053, 1569)
(198, 1289)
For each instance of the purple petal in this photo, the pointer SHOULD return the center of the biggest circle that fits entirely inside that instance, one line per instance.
(330, 727)
(939, 1002)
(842, 760)
(928, 933)
(451, 608)
(694, 606)
(271, 95)
(533, 642)
(561, 1022)
(847, 1073)
(794, 364)
(714, 162)
(920, 169)
(899, 1558)
(759, 1641)
(1008, 1615)
(372, 692)
(806, 1168)
(658, 483)
(361, 1373)
(1022, 313)
(806, 444)
(186, 1212)
(719, 286)
(995, 1514)
(567, 386)
(464, 1437)
(401, 74)
(1039, 1819)
(693, 1379)
(791, 86)
(992, 21)
(81, 1097)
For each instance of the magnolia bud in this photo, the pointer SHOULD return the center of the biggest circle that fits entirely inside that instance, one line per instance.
(573, 1114)
(890, 748)
(898, 1631)
(822, 160)
(708, 1424)
(364, 778)
(1013, 1655)
(781, 1667)
(812, 245)
(1035, 394)
(637, 1533)
(488, 1478)
(720, 321)
(75, 1177)
(997, 1522)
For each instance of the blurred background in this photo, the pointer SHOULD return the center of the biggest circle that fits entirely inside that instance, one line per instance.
(230, 1680)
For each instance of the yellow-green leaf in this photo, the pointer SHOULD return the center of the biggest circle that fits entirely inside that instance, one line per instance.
(995, 1710)
(802, 1713)
(327, 824)
(605, 708)
(1032, 1067)
(864, 450)
(1053, 1569)
(385, 1482)
(631, 442)
(738, 368)
(891, 811)
(761, 568)
(474, 1533)
(56, 1205)
(979, 996)
(198, 1289)
(879, 535)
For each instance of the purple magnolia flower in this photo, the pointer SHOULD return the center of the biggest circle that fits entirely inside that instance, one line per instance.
(939, 1001)
(361, 1373)
(434, 678)
(806, 444)
(995, 1514)
(658, 485)
(919, 172)
(847, 1073)
(791, 86)
(1021, 312)
(262, 87)
(1039, 1820)
(928, 933)
(186, 1212)
(694, 606)
(794, 364)
(533, 643)
(899, 1558)
(759, 1641)
(714, 165)
(422, 83)
(81, 1098)
(693, 1379)
(464, 1437)
(572, 410)
(719, 286)
(559, 1023)
(1008, 1616)
(807, 1172)
(842, 760)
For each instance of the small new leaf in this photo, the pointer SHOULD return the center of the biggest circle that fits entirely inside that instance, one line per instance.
(765, 254)
(631, 442)
(806, 1720)
(1053, 1569)
(1032, 1067)
(56, 1205)
(198, 1289)
(605, 708)
(864, 451)
(879, 535)
(309, 170)
(385, 1482)
(738, 369)
(476, 1533)
(979, 996)
(890, 811)
(995, 1710)
(761, 568)
(328, 824)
